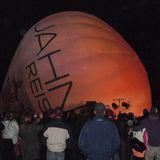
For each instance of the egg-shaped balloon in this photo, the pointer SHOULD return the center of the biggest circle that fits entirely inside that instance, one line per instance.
(69, 58)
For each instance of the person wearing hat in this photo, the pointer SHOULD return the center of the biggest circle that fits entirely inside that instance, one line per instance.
(99, 138)
(152, 126)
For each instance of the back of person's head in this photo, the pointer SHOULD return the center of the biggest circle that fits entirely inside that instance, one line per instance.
(26, 118)
(11, 115)
(145, 113)
(136, 121)
(130, 116)
(154, 112)
(58, 112)
(50, 113)
(99, 109)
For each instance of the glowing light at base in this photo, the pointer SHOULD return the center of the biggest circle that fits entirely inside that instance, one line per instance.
(69, 58)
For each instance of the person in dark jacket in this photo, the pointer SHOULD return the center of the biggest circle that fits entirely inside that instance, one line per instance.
(152, 126)
(29, 138)
(99, 138)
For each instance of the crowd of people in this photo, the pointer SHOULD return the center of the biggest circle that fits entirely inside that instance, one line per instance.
(89, 134)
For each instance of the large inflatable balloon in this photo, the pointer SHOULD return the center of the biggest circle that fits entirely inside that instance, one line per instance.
(69, 58)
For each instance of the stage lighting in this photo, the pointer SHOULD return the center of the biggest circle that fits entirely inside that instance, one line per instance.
(126, 105)
(115, 106)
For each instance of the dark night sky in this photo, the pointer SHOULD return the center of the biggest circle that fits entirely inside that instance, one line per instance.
(137, 21)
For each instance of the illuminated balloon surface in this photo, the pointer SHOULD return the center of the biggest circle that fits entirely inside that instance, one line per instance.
(69, 58)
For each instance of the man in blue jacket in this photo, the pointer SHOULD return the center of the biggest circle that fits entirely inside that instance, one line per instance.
(99, 138)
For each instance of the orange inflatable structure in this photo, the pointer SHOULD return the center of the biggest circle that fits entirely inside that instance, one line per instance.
(69, 58)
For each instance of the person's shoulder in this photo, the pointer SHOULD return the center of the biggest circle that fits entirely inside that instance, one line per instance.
(109, 122)
(91, 120)
(60, 123)
(65, 124)
(95, 119)
(49, 123)
(147, 120)
(14, 121)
